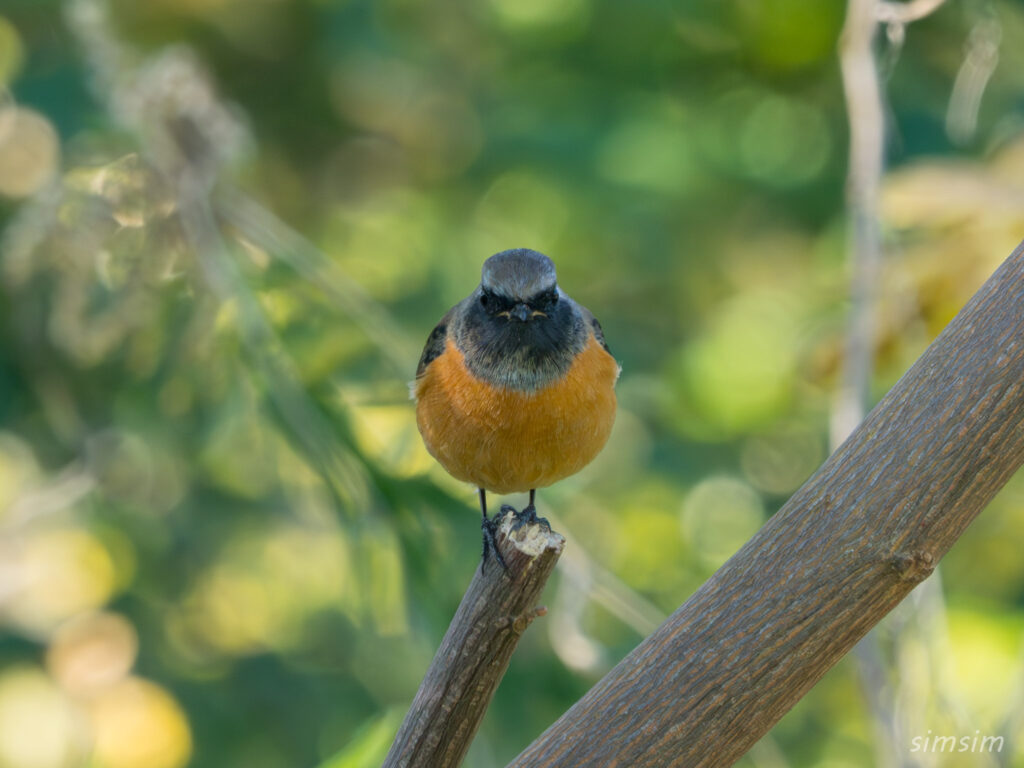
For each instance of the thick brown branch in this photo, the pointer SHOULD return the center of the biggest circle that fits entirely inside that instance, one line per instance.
(495, 611)
(865, 529)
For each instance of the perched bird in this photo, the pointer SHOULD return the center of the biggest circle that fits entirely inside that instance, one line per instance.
(515, 387)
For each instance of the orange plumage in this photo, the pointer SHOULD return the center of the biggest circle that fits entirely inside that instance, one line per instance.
(508, 440)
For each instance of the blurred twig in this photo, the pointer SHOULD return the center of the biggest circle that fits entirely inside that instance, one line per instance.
(865, 113)
(864, 107)
(865, 110)
(980, 60)
(284, 388)
(261, 226)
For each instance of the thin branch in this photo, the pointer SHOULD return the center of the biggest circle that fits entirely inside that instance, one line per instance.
(865, 113)
(261, 226)
(495, 611)
(340, 470)
(972, 78)
(871, 524)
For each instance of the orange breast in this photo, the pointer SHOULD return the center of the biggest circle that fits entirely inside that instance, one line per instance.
(508, 441)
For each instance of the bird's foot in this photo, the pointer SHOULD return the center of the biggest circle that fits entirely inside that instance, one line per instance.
(489, 526)
(526, 516)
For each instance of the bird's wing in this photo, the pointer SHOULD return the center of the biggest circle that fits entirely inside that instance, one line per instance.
(436, 342)
(595, 326)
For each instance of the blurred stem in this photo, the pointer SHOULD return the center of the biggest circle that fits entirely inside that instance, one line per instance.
(972, 78)
(282, 242)
(343, 474)
(865, 110)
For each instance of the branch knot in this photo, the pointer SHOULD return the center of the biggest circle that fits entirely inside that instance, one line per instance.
(520, 622)
(913, 566)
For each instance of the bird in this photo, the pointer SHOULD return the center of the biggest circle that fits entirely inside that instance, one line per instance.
(515, 388)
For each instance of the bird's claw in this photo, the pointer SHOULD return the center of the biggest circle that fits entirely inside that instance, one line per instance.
(489, 526)
(526, 516)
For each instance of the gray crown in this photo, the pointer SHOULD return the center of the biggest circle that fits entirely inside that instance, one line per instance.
(518, 273)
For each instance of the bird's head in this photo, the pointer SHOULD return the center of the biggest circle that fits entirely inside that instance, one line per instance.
(518, 285)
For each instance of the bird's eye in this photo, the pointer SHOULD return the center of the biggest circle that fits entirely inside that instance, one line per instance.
(548, 299)
(485, 300)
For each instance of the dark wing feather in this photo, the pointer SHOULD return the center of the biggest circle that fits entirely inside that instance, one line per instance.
(595, 326)
(435, 345)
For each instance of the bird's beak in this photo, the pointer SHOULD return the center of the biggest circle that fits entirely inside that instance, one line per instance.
(520, 312)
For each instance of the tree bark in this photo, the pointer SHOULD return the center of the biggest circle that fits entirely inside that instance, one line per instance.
(495, 611)
(870, 524)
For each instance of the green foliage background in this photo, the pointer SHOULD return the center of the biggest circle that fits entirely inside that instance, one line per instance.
(221, 542)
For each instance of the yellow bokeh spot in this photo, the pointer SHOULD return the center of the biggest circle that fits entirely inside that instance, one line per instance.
(986, 659)
(29, 151)
(137, 724)
(60, 572)
(268, 583)
(641, 540)
(92, 652)
(388, 434)
(741, 370)
(39, 727)
(648, 547)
